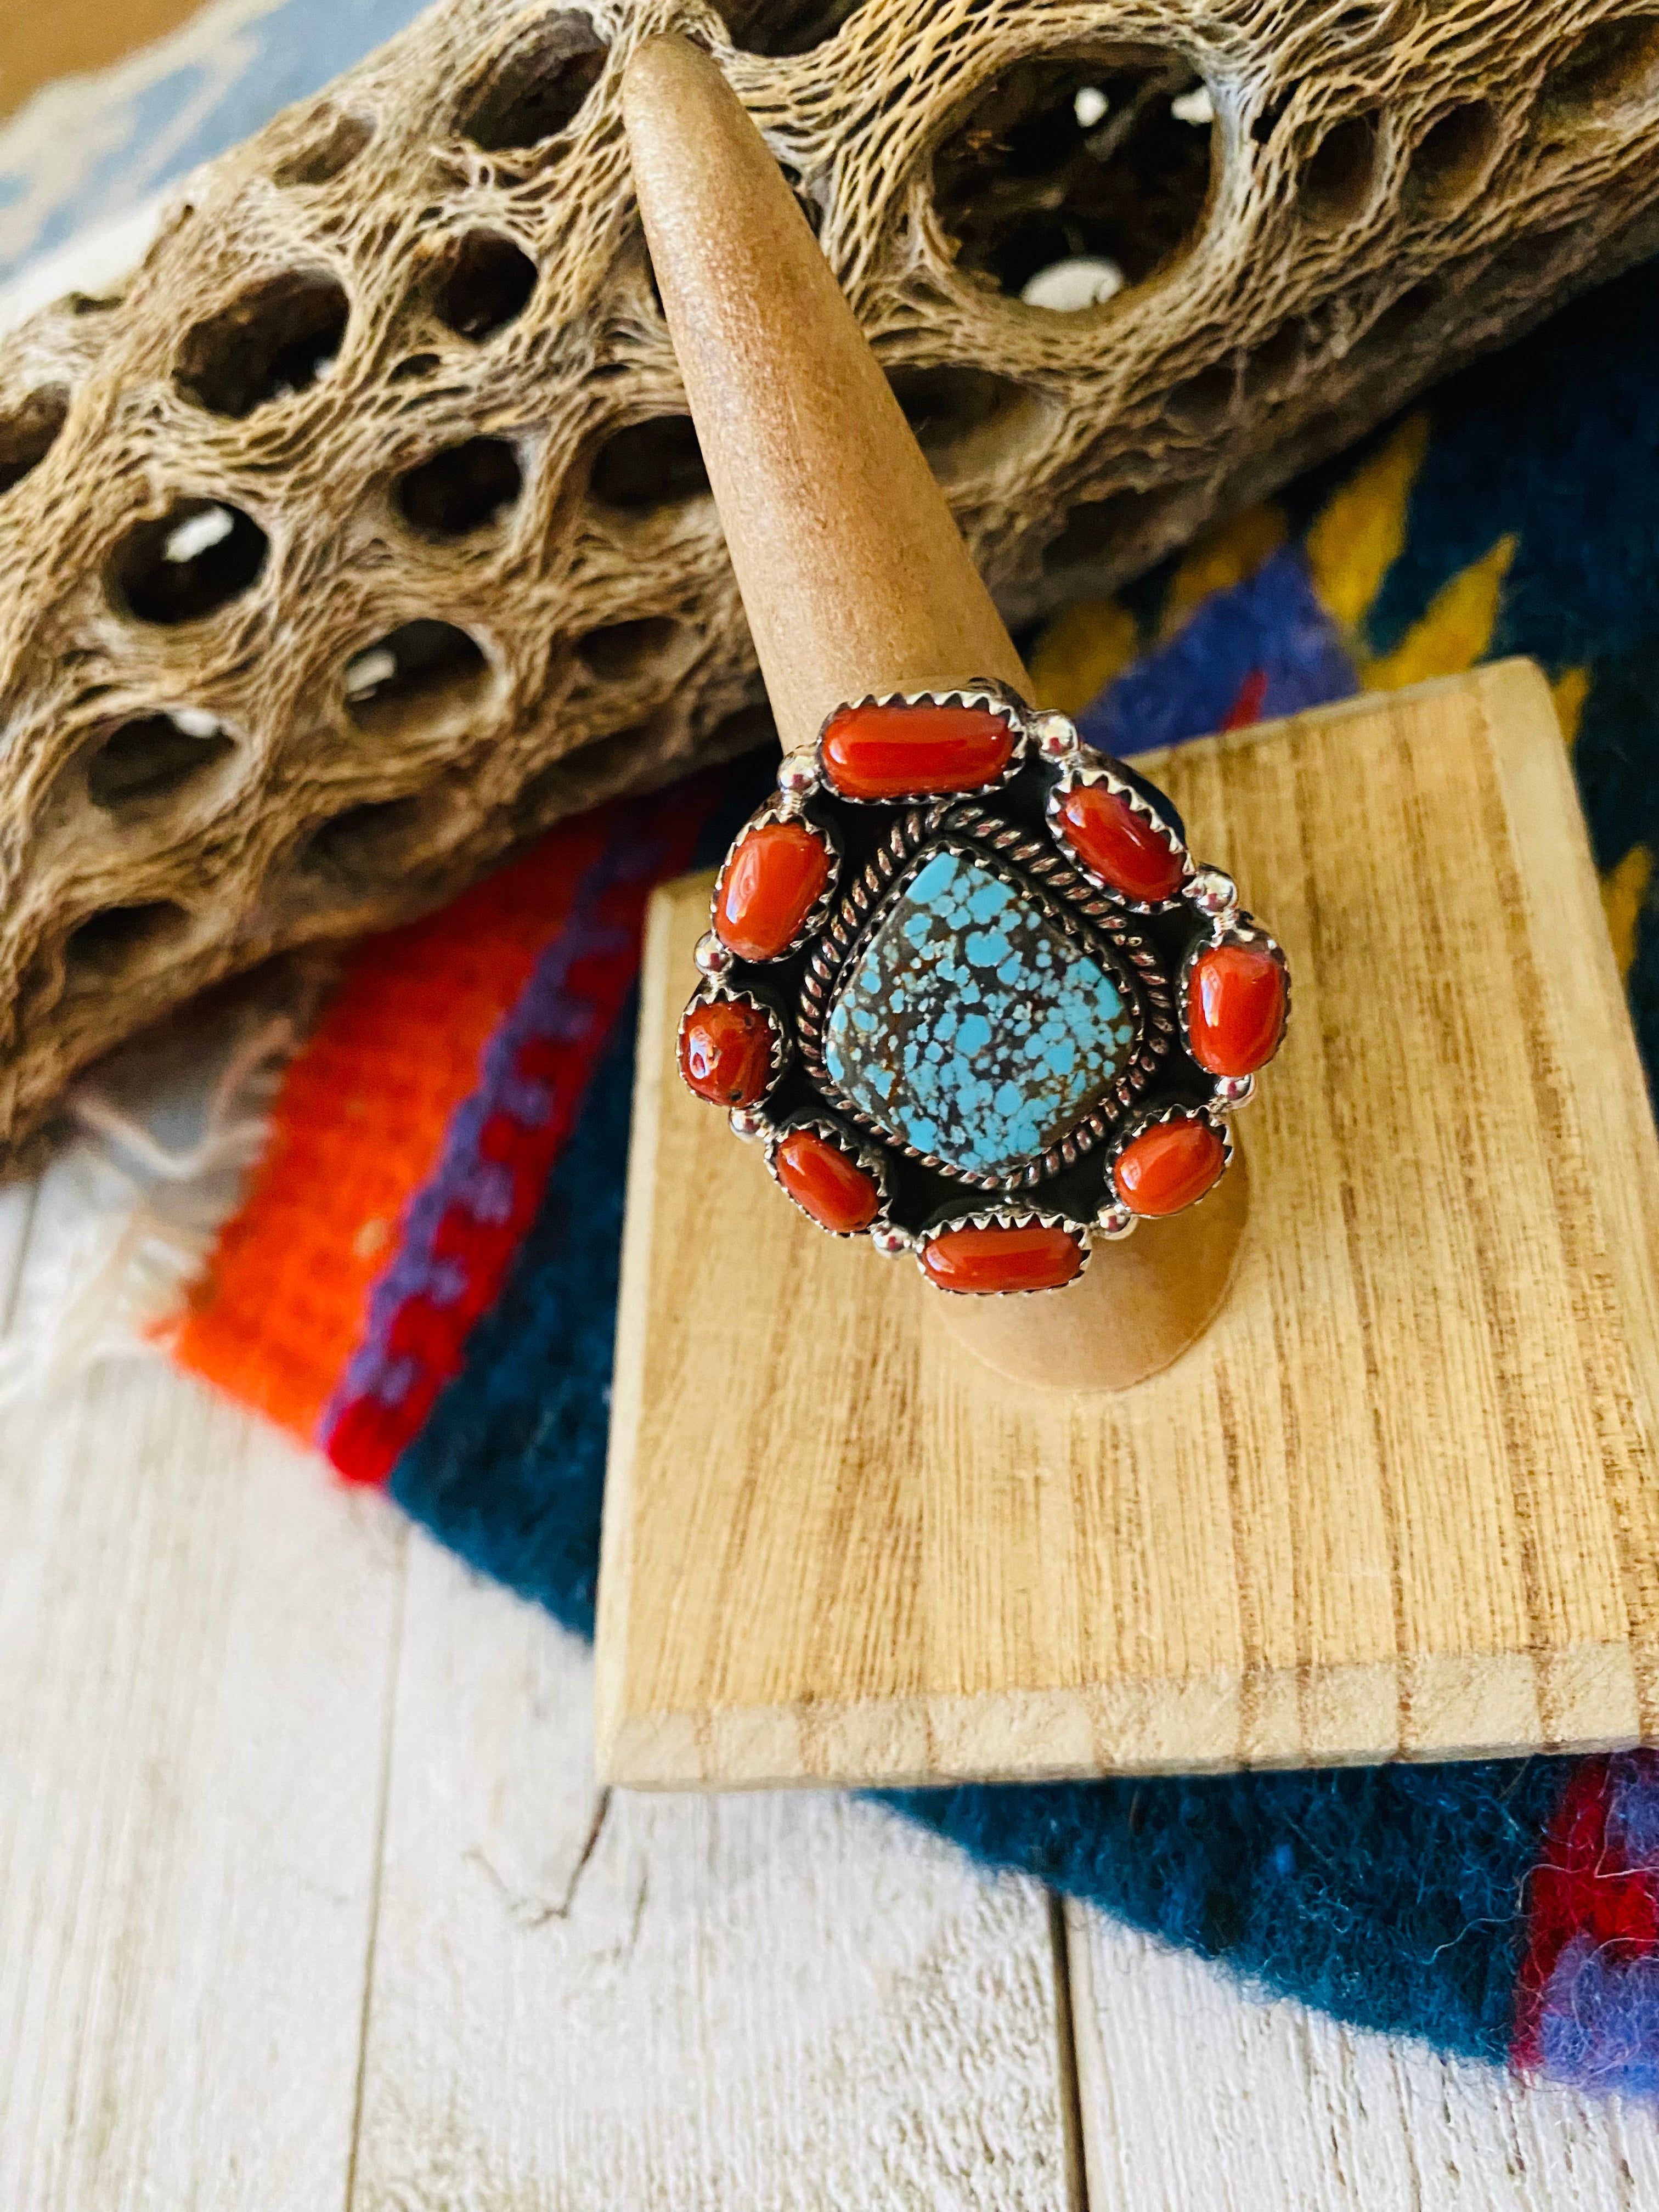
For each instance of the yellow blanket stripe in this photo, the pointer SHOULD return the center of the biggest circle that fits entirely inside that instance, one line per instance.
(1361, 531)
(1080, 652)
(1219, 558)
(1454, 631)
(1624, 894)
(1570, 690)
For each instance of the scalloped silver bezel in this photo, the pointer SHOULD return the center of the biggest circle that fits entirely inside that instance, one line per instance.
(1243, 929)
(1011, 1214)
(714, 987)
(1029, 865)
(775, 811)
(1099, 770)
(1139, 1127)
(981, 692)
(847, 1144)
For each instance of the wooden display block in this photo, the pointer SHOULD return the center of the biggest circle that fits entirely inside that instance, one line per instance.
(1399, 1500)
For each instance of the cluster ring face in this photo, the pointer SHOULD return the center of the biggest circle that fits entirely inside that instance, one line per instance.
(965, 981)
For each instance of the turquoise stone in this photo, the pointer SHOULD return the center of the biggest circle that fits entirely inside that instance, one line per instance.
(970, 1026)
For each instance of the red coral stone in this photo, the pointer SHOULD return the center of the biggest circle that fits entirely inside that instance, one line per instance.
(1235, 1008)
(1002, 1259)
(1122, 847)
(890, 752)
(775, 876)
(824, 1183)
(726, 1051)
(1169, 1165)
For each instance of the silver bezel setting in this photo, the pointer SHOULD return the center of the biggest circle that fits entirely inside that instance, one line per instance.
(1234, 928)
(1029, 867)
(714, 989)
(776, 811)
(982, 695)
(863, 1156)
(1090, 768)
(1139, 1127)
(1009, 1215)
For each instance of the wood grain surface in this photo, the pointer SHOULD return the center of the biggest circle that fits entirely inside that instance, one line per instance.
(308, 1898)
(1398, 1499)
(1196, 2098)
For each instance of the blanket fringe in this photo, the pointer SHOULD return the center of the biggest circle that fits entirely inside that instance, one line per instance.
(126, 1216)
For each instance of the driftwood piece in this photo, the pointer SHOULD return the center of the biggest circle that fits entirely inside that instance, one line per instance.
(365, 532)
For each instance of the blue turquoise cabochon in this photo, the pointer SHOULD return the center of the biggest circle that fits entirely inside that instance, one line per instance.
(972, 1028)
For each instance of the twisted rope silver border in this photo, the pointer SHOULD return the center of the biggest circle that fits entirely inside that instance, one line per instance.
(1026, 863)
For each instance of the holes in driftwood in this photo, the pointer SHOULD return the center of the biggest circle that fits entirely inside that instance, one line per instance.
(645, 753)
(743, 730)
(1340, 178)
(784, 26)
(274, 341)
(336, 145)
(1077, 160)
(418, 675)
(1201, 403)
(622, 651)
(1271, 369)
(153, 757)
(367, 845)
(113, 943)
(28, 432)
(194, 559)
(947, 405)
(1401, 317)
(654, 464)
(416, 365)
(1611, 64)
(463, 489)
(537, 88)
(1528, 259)
(1453, 154)
(1101, 526)
(483, 283)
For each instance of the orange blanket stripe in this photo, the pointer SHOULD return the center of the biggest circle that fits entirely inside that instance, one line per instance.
(281, 1306)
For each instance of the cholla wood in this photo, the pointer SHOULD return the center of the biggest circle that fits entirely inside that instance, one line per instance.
(406, 341)
(1397, 1500)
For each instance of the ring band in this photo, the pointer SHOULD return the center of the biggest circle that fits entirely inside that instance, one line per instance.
(965, 981)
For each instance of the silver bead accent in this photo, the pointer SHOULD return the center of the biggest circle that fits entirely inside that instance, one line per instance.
(1054, 734)
(711, 957)
(1234, 1090)
(747, 1124)
(1212, 892)
(891, 1242)
(1114, 1220)
(798, 775)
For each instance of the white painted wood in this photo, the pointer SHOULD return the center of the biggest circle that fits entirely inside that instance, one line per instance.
(1196, 2096)
(626, 2004)
(195, 1639)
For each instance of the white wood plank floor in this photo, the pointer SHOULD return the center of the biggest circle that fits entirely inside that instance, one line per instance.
(308, 1900)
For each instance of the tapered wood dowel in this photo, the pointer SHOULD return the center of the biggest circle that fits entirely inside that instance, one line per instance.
(855, 579)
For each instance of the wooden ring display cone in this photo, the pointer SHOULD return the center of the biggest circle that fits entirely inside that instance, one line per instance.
(855, 579)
